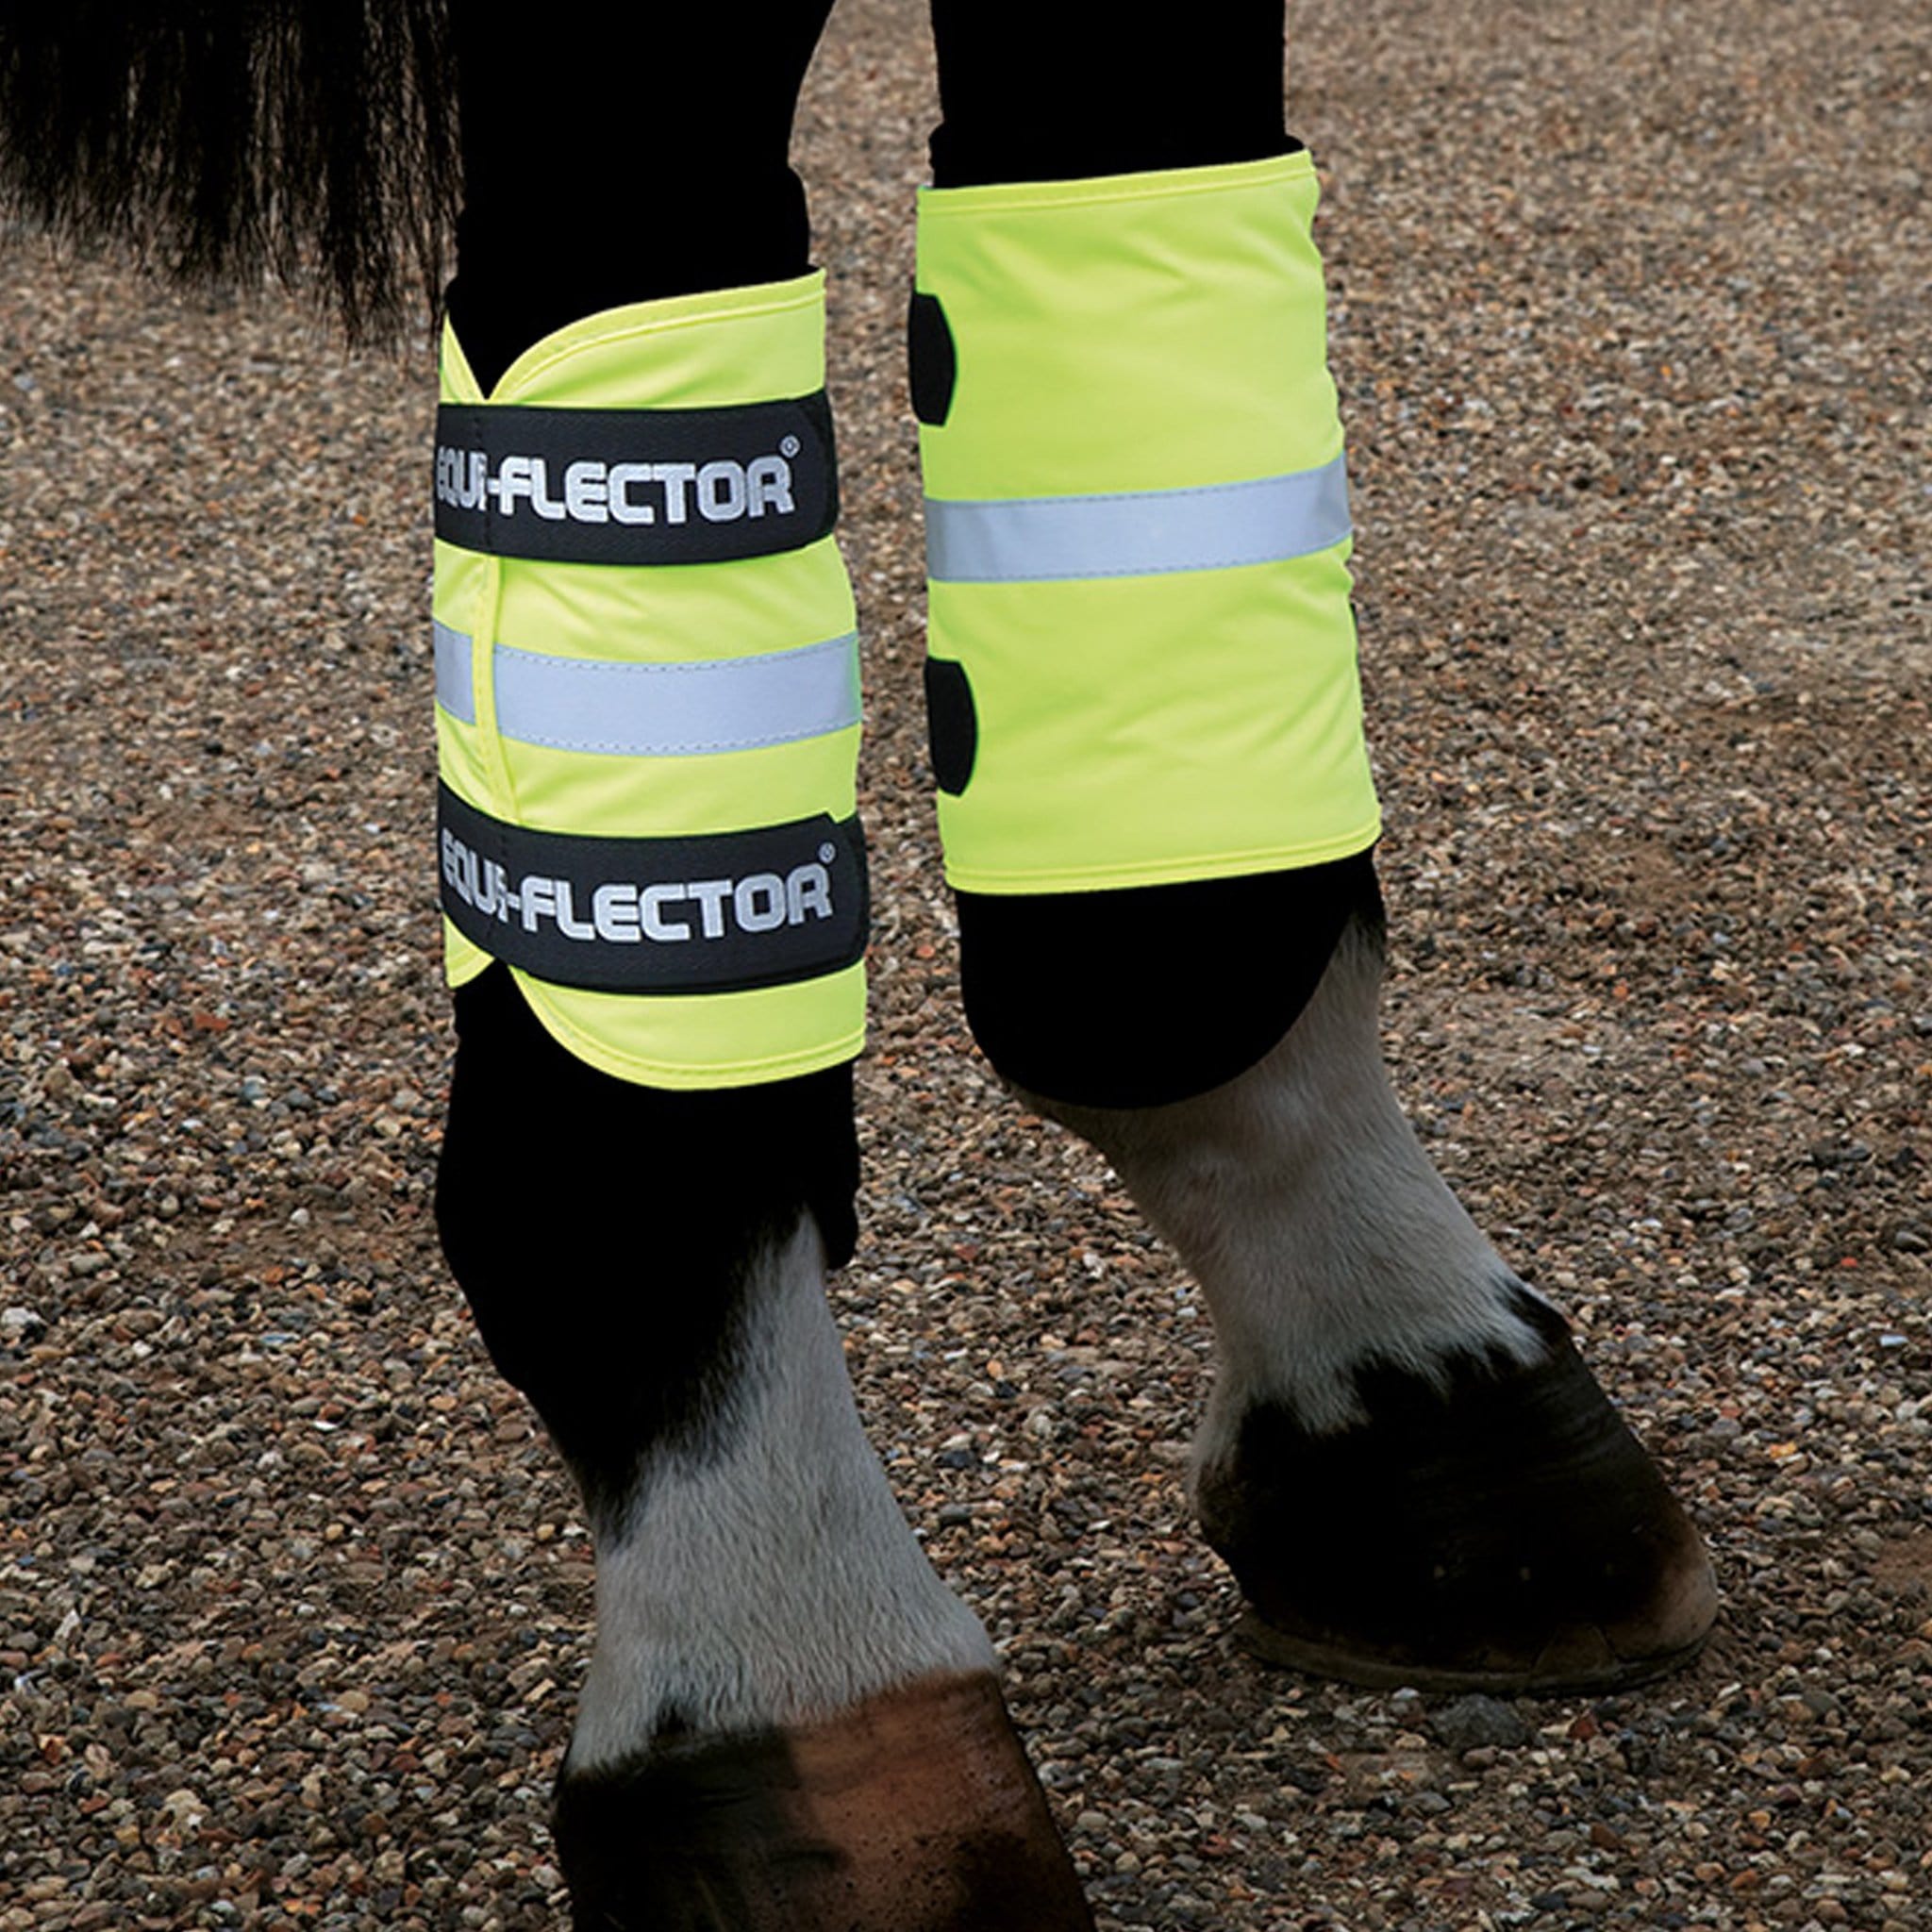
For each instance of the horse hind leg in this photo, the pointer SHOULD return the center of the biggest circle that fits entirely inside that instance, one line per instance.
(789, 1723)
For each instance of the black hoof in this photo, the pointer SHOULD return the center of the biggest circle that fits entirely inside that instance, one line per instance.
(1503, 1533)
(915, 1811)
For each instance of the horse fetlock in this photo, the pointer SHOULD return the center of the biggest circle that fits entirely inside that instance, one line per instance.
(1489, 1524)
(789, 1720)
(911, 1810)
(759, 1568)
(1299, 1196)
(1404, 1461)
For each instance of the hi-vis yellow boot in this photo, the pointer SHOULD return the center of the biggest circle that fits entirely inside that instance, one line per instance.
(647, 691)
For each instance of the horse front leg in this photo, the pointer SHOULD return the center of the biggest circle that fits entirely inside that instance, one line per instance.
(648, 721)
(789, 1723)
(1157, 815)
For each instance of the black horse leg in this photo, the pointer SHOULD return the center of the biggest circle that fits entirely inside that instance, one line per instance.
(789, 1723)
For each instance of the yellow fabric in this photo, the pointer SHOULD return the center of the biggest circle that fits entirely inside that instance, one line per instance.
(742, 346)
(1142, 333)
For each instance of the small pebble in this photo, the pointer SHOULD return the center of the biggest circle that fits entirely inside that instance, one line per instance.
(1474, 1721)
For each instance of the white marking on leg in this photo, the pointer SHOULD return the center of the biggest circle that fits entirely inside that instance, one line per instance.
(1320, 1232)
(772, 1580)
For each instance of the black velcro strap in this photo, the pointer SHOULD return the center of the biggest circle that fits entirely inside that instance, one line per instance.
(933, 363)
(636, 486)
(951, 724)
(721, 912)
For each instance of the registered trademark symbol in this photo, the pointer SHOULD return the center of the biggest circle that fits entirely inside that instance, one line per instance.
(789, 446)
(827, 853)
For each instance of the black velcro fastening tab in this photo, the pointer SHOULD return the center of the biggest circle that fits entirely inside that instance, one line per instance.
(933, 363)
(952, 724)
(721, 912)
(636, 486)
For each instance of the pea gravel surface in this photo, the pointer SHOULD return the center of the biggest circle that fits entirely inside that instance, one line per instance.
(1630, 321)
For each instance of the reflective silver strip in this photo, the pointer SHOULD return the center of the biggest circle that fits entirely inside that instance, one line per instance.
(1138, 533)
(454, 691)
(669, 710)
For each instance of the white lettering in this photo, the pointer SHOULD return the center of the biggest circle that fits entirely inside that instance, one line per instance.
(587, 492)
(710, 895)
(544, 505)
(675, 476)
(512, 479)
(769, 486)
(596, 492)
(759, 902)
(807, 889)
(567, 923)
(721, 492)
(654, 925)
(483, 884)
(622, 476)
(539, 896)
(614, 912)
(625, 914)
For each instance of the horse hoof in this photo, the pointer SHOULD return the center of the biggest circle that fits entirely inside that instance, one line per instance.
(1499, 1530)
(915, 1811)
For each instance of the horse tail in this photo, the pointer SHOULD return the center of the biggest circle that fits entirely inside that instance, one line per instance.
(220, 139)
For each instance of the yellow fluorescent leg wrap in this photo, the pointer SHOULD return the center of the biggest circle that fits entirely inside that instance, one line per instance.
(1143, 658)
(647, 691)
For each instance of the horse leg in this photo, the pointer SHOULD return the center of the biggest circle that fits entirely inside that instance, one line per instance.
(789, 1721)
(789, 1724)
(1156, 820)
(1404, 1460)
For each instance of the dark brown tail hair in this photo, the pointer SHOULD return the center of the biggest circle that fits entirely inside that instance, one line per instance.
(218, 139)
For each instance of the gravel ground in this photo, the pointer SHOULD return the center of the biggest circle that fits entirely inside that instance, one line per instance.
(1631, 322)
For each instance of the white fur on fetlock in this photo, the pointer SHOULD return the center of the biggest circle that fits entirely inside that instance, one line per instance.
(764, 1576)
(1322, 1236)
(1403, 1460)
(1318, 1266)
